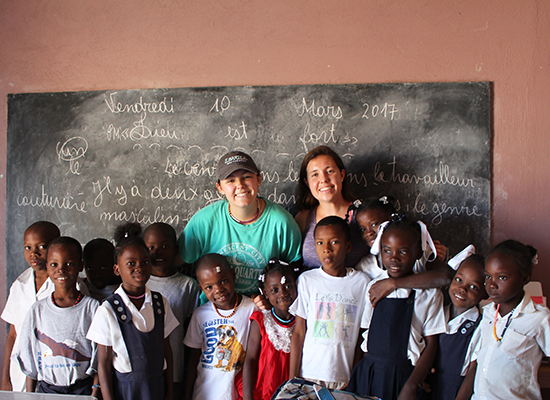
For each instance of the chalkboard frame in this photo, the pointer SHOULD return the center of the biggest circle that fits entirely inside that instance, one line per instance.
(275, 124)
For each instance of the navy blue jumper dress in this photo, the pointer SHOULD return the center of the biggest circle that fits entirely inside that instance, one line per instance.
(450, 359)
(386, 367)
(146, 351)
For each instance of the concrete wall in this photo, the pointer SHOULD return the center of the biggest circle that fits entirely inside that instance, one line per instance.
(70, 45)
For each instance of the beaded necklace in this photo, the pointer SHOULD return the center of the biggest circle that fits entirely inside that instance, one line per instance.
(234, 308)
(136, 297)
(282, 321)
(505, 326)
(250, 220)
(78, 299)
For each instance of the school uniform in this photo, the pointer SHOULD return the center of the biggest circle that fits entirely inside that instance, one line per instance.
(395, 340)
(182, 294)
(507, 369)
(137, 340)
(455, 353)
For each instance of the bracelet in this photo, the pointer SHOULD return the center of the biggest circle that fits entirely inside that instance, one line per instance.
(96, 386)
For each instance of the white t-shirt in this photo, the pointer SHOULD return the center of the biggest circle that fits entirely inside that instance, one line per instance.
(453, 325)
(428, 317)
(182, 294)
(53, 347)
(105, 329)
(508, 369)
(334, 310)
(21, 298)
(223, 348)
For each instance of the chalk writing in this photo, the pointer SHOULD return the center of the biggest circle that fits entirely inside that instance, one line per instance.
(72, 150)
(442, 177)
(380, 111)
(221, 105)
(105, 187)
(359, 179)
(282, 198)
(189, 168)
(270, 176)
(293, 175)
(439, 210)
(349, 139)
(319, 111)
(45, 200)
(312, 137)
(140, 131)
(140, 106)
(186, 194)
(235, 133)
(140, 216)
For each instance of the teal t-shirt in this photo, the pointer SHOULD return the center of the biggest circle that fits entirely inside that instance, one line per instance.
(248, 248)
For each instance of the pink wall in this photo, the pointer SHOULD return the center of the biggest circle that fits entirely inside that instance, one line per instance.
(82, 45)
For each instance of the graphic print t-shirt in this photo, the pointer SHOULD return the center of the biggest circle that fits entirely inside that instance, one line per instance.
(223, 348)
(334, 310)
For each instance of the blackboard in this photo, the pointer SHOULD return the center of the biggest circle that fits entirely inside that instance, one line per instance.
(88, 161)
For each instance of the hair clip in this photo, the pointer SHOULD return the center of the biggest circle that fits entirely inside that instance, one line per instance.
(276, 261)
(261, 277)
(397, 217)
(296, 269)
(283, 280)
(126, 234)
(535, 260)
(261, 291)
(383, 200)
(357, 203)
(218, 269)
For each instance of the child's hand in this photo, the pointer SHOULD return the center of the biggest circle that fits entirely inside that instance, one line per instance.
(441, 251)
(261, 302)
(379, 290)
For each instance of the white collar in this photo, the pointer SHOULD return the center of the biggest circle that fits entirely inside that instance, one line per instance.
(470, 314)
(128, 303)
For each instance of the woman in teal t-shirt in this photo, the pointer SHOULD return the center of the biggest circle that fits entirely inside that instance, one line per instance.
(247, 229)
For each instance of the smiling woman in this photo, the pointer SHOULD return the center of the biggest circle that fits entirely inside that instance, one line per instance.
(324, 191)
(247, 229)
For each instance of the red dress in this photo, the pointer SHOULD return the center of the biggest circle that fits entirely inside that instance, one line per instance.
(273, 364)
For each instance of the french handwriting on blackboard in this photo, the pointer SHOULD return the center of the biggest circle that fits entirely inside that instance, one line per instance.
(88, 161)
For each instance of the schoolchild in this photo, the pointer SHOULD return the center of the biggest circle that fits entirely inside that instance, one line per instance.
(217, 333)
(53, 349)
(329, 310)
(131, 328)
(515, 332)
(430, 270)
(370, 214)
(32, 285)
(99, 259)
(181, 291)
(401, 341)
(268, 354)
(456, 346)
(245, 227)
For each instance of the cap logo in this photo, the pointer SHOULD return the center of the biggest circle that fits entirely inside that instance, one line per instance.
(235, 159)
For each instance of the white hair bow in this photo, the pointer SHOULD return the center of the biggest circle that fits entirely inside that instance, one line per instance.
(464, 254)
(428, 246)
